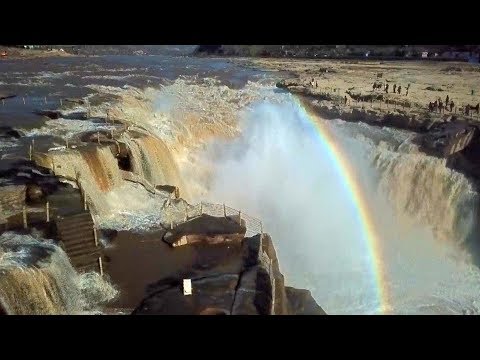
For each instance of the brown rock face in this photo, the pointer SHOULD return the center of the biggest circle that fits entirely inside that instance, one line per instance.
(12, 199)
(248, 282)
(301, 302)
(34, 193)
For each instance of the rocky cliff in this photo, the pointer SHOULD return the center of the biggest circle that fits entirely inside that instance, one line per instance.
(450, 135)
(255, 286)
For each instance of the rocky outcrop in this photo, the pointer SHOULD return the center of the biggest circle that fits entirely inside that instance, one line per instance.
(213, 294)
(34, 193)
(77, 101)
(12, 199)
(205, 228)
(254, 293)
(51, 114)
(256, 287)
(301, 302)
(448, 138)
(9, 132)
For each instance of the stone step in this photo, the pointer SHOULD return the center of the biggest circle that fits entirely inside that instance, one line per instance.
(85, 251)
(84, 229)
(63, 224)
(68, 221)
(79, 215)
(85, 261)
(80, 239)
(79, 245)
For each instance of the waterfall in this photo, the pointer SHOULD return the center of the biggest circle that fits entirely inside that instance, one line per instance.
(420, 188)
(37, 278)
(153, 161)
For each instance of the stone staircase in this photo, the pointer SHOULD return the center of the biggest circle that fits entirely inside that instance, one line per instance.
(78, 239)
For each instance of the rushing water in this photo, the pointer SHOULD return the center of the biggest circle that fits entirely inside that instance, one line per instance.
(233, 138)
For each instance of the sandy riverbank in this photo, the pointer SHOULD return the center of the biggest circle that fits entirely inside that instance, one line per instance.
(13, 53)
(428, 81)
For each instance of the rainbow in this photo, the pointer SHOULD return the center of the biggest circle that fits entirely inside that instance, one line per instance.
(354, 190)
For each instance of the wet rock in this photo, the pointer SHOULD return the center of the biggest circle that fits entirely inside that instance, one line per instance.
(9, 132)
(214, 294)
(254, 293)
(446, 138)
(51, 114)
(34, 193)
(75, 101)
(12, 199)
(250, 250)
(94, 136)
(207, 226)
(4, 96)
(301, 302)
(77, 115)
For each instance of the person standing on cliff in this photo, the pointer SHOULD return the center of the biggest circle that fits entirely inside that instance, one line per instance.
(408, 87)
(446, 101)
(345, 99)
(399, 89)
(451, 105)
(386, 88)
(394, 87)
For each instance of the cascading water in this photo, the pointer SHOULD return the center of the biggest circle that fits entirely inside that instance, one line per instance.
(152, 160)
(36, 278)
(279, 170)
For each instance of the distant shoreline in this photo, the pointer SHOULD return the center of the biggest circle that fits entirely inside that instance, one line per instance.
(16, 53)
(464, 54)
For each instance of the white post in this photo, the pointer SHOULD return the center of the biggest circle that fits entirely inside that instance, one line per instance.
(186, 213)
(95, 235)
(100, 265)
(98, 136)
(111, 133)
(24, 100)
(61, 104)
(84, 200)
(45, 99)
(30, 152)
(25, 224)
(48, 212)
(261, 227)
(171, 225)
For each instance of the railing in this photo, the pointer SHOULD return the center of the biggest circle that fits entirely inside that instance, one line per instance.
(254, 226)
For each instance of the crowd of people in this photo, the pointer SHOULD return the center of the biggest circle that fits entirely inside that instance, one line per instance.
(439, 106)
(434, 106)
(385, 87)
